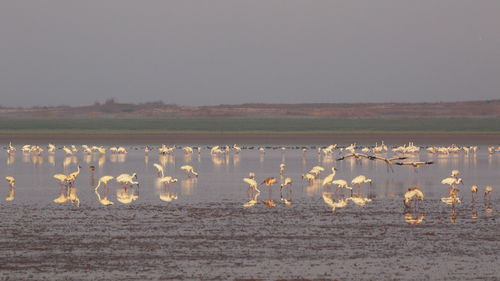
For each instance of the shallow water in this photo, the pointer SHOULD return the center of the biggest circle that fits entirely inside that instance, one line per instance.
(206, 233)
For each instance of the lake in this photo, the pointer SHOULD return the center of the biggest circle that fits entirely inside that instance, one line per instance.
(203, 227)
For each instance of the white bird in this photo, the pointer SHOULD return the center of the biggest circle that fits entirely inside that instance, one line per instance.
(342, 184)
(187, 150)
(160, 170)
(236, 148)
(67, 151)
(167, 180)
(287, 182)
(127, 178)
(455, 173)
(11, 149)
(103, 180)
(189, 170)
(474, 190)
(359, 180)
(412, 194)
(11, 180)
(329, 179)
(12, 188)
(252, 184)
(282, 169)
(487, 192)
(52, 148)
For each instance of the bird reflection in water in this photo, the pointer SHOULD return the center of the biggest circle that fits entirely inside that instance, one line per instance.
(473, 212)
(101, 161)
(327, 198)
(166, 193)
(71, 196)
(126, 194)
(187, 185)
(166, 159)
(217, 160)
(104, 200)
(453, 215)
(68, 160)
(51, 159)
(488, 207)
(236, 160)
(91, 175)
(26, 157)
(188, 157)
(286, 191)
(413, 218)
(269, 182)
(11, 158)
(12, 188)
(103, 180)
(37, 160)
(87, 158)
(252, 199)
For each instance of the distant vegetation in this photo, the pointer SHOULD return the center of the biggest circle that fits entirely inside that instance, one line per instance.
(112, 109)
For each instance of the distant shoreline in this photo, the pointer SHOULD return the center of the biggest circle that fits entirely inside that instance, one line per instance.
(292, 138)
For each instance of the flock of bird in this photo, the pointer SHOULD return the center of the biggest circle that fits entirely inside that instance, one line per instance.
(333, 198)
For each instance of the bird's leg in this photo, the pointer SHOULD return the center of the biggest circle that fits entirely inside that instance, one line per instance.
(359, 189)
(106, 192)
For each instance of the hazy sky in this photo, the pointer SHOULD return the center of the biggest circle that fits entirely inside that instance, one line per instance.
(213, 52)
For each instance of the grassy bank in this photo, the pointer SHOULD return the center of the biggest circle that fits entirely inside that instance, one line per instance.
(243, 126)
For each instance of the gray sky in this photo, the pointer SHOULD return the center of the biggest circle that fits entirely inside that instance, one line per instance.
(226, 52)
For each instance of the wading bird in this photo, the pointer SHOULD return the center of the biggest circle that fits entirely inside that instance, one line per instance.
(342, 184)
(124, 179)
(252, 185)
(159, 168)
(412, 196)
(189, 170)
(452, 182)
(167, 180)
(359, 180)
(329, 179)
(473, 190)
(287, 183)
(282, 169)
(104, 180)
(12, 188)
(487, 192)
